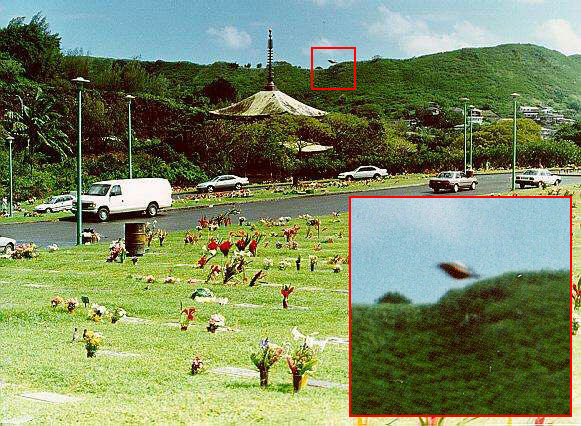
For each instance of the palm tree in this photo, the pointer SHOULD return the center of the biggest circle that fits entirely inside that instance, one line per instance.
(38, 124)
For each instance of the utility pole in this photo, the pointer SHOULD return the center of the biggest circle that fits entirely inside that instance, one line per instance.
(80, 81)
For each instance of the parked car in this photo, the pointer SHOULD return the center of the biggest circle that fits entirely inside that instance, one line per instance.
(453, 181)
(147, 195)
(57, 203)
(363, 172)
(7, 245)
(220, 183)
(537, 177)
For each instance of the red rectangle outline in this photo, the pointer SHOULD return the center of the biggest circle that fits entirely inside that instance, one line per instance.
(354, 68)
(570, 304)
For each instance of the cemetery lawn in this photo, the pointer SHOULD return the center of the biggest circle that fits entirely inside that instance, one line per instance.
(155, 385)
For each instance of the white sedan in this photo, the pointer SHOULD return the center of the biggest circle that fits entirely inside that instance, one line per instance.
(7, 245)
(56, 204)
(364, 172)
(223, 182)
(537, 177)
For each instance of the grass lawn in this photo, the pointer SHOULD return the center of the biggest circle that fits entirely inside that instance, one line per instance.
(155, 385)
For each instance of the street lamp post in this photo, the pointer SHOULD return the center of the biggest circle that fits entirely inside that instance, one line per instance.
(79, 81)
(129, 98)
(471, 117)
(465, 100)
(10, 139)
(514, 96)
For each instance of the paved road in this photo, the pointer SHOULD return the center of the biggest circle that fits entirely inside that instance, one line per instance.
(63, 232)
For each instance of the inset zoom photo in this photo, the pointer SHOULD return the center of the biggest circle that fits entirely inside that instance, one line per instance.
(460, 306)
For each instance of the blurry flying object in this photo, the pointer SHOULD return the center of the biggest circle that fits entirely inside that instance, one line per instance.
(457, 271)
(332, 61)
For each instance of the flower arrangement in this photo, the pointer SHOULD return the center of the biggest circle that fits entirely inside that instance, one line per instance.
(97, 312)
(432, 421)
(259, 275)
(267, 262)
(314, 223)
(202, 262)
(52, 248)
(212, 247)
(286, 291)
(25, 251)
(71, 305)
(292, 245)
(187, 316)
(577, 295)
(283, 264)
(575, 326)
(234, 267)
(117, 251)
(215, 272)
(57, 300)
(197, 365)
(191, 237)
(92, 342)
(301, 362)
(337, 268)
(150, 231)
(149, 279)
(161, 235)
(267, 355)
(252, 247)
(291, 232)
(117, 314)
(170, 280)
(216, 322)
(225, 247)
(313, 261)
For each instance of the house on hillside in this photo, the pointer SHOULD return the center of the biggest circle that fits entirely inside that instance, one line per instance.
(489, 115)
(531, 112)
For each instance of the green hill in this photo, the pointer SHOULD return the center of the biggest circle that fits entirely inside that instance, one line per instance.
(486, 75)
(498, 347)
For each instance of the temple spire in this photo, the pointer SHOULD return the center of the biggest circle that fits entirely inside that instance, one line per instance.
(270, 83)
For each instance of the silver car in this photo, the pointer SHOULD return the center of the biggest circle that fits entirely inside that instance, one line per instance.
(363, 172)
(57, 203)
(7, 245)
(453, 181)
(537, 177)
(223, 182)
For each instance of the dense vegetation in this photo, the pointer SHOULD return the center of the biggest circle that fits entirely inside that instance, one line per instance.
(500, 346)
(175, 138)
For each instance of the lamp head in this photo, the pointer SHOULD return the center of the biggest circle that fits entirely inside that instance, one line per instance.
(80, 81)
(514, 95)
(464, 99)
(129, 97)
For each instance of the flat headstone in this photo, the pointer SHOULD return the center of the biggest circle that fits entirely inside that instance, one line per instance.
(2, 384)
(134, 320)
(247, 305)
(17, 420)
(338, 340)
(291, 307)
(118, 354)
(325, 384)
(236, 372)
(185, 264)
(36, 285)
(341, 291)
(54, 398)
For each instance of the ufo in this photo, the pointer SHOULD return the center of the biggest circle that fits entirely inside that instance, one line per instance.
(457, 270)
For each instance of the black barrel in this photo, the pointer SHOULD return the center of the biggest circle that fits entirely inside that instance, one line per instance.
(135, 239)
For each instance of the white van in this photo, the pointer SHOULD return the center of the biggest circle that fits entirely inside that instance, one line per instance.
(126, 195)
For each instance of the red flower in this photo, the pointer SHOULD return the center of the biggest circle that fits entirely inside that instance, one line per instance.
(189, 312)
(540, 421)
(286, 291)
(241, 244)
(215, 269)
(225, 247)
(253, 246)
(203, 260)
(212, 245)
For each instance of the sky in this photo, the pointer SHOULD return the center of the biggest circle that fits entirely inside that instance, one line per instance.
(205, 31)
(397, 243)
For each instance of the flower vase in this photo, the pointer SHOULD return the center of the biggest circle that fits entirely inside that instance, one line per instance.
(285, 303)
(263, 377)
(299, 382)
(91, 353)
(184, 327)
(312, 267)
(114, 320)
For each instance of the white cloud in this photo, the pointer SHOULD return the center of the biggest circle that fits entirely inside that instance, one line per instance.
(320, 42)
(414, 36)
(559, 34)
(231, 37)
(530, 1)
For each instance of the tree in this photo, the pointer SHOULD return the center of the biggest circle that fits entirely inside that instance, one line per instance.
(220, 90)
(38, 125)
(393, 297)
(259, 65)
(569, 132)
(33, 46)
